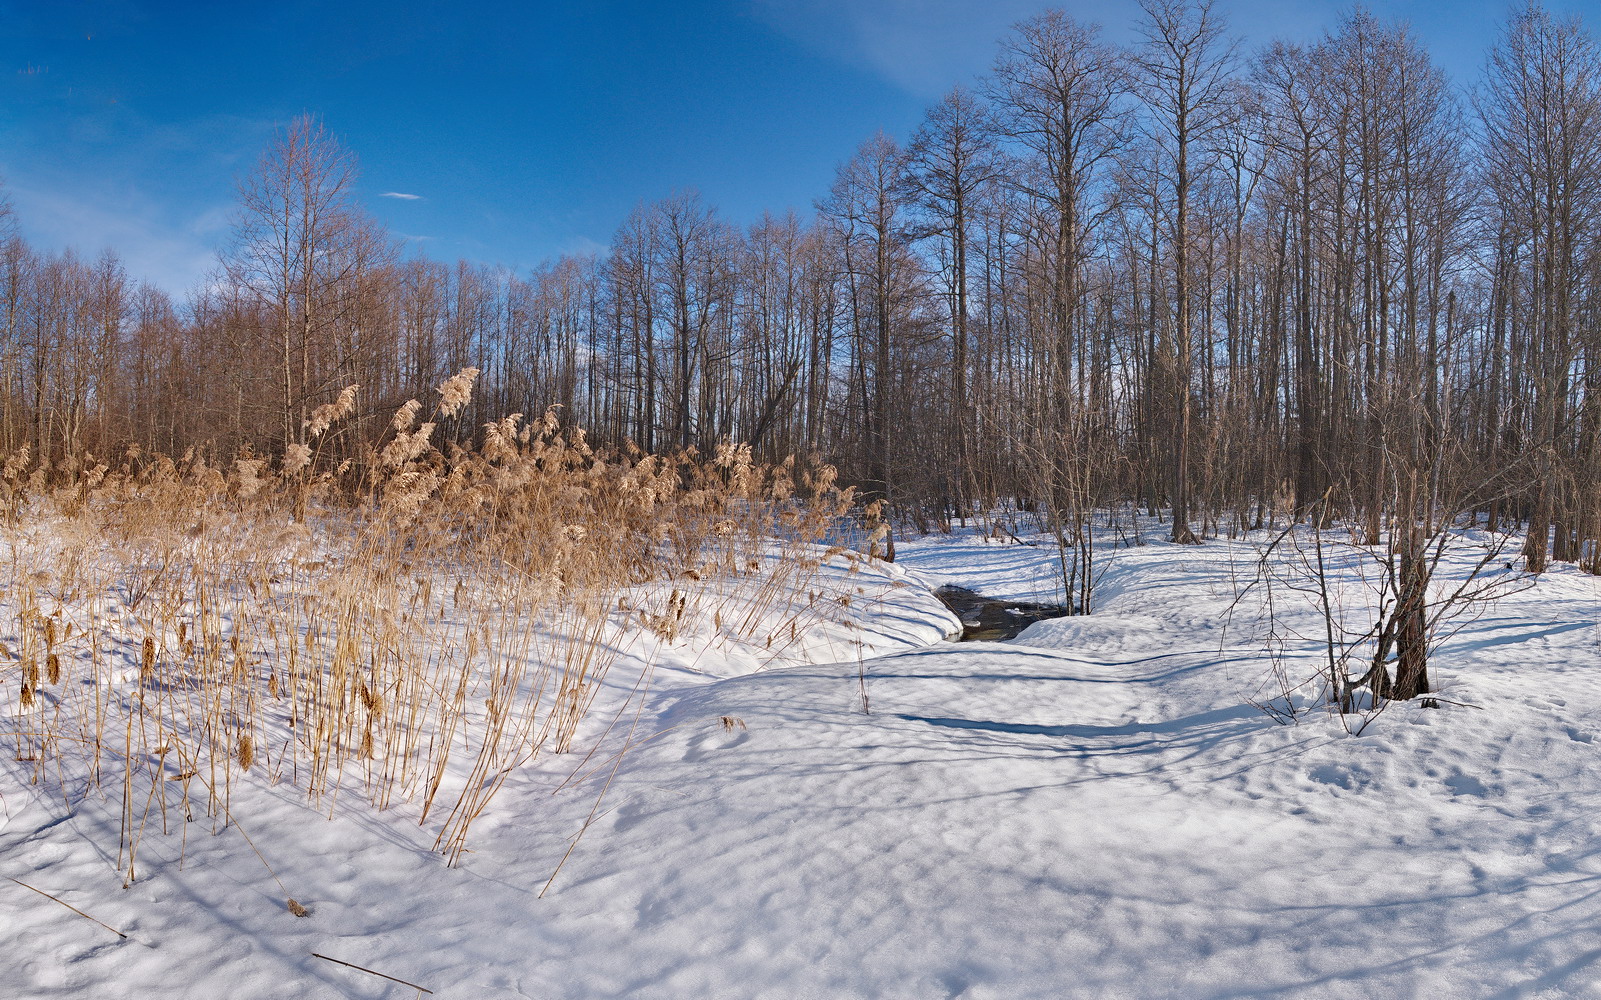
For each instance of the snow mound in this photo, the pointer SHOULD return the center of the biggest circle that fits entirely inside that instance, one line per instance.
(1093, 810)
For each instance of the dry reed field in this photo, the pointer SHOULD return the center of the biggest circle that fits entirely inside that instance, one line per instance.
(408, 626)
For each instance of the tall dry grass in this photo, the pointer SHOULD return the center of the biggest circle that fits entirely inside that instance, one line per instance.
(410, 627)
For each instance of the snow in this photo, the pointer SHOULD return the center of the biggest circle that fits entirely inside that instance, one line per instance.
(1090, 810)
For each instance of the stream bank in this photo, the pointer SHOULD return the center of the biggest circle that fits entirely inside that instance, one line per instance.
(988, 619)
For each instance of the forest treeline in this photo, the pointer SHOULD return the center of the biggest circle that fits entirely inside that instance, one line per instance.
(1211, 281)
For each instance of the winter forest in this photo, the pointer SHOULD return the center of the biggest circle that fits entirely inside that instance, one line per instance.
(1201, 278)
(581, 631)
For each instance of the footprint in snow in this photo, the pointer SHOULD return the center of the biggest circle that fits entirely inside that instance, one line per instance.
(1336, 775)
(720, 737)
(1466, 784)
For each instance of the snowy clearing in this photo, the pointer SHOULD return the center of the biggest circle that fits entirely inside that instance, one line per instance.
(1091, 810)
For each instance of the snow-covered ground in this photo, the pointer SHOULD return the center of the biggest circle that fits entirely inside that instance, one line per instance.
(1091, 810)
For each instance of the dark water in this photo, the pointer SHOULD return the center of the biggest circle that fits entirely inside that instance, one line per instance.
(984, 618)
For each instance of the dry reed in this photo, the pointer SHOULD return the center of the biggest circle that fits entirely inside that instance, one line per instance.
(411, 626)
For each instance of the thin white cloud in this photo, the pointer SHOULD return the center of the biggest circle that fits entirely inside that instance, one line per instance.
(403, 196)
(583, 246)
(173, 254)
(924, 47)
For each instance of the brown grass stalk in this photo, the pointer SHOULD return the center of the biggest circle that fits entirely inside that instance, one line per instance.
(411, 629)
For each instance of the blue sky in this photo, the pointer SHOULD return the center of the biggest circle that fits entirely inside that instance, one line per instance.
(524, 130)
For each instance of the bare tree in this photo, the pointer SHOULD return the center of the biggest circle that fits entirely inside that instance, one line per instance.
(298, 243)
(1184, 72)
(692, 267)
(1288, 79)
(952, 162)
(1060, 93)
(865, 205)
(1541, 112)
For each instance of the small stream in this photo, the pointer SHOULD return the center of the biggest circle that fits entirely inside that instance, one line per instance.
(987, 619)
